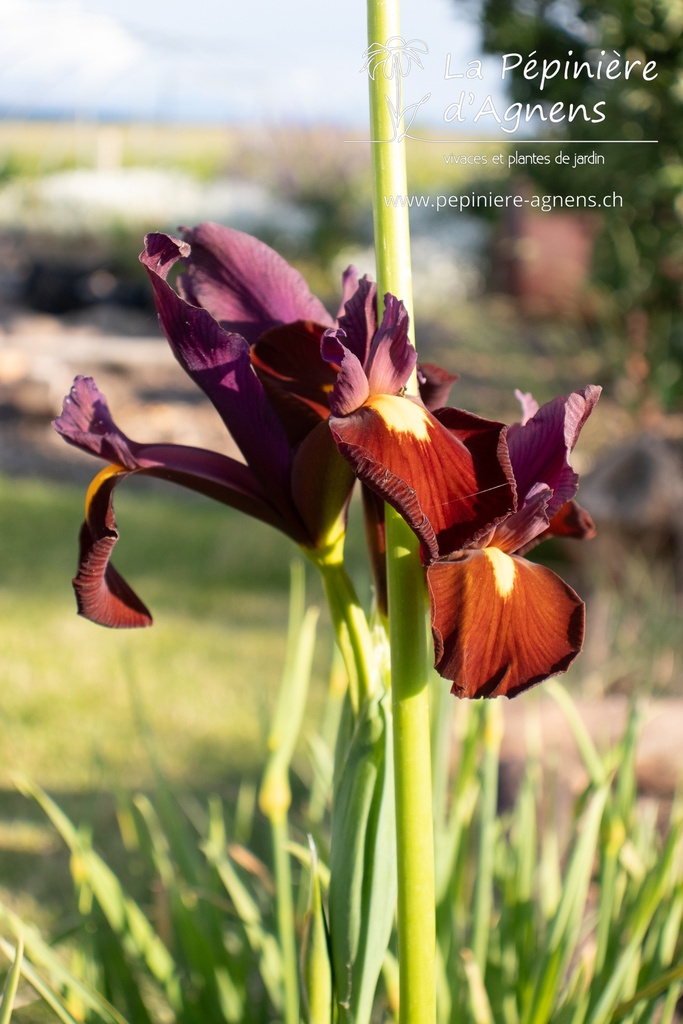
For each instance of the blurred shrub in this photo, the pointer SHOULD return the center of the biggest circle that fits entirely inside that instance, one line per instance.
(639, 256)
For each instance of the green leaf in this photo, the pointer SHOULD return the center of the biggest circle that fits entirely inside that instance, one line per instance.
(483, 894)
(594, 765)
(195, 925)
(260, 940)
(316, 966)
(36, 1012)
(12, 983)
(362, 896)
(648, 902)
(44, 957)
(123, 914)
(562, 939)
(481, 1008)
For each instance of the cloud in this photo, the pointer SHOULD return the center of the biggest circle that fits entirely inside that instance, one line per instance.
(56, 52)
(295, 61)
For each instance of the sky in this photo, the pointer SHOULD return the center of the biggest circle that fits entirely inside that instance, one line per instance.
(276, 61)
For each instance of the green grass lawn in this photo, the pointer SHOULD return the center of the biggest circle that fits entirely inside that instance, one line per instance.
(79, 704)
(204, 674)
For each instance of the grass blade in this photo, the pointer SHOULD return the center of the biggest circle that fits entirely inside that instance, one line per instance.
(483, 895)
(42, 956)
(123, 914)
(645, 909)
(43, 988)
(562, 939)
(592, 760)
(12, 982)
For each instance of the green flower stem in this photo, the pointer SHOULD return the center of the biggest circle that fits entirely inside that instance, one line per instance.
(350, 626)
(389, 176)
(413, 777)
(406, 586)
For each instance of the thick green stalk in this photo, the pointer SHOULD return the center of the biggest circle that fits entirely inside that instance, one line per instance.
(413, 779)
(406, 588)
(389, 176)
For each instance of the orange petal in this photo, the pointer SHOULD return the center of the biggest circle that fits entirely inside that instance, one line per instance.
(448, 484)
(501, 623)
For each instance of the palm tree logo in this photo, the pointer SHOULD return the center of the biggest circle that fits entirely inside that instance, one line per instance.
(394, 59)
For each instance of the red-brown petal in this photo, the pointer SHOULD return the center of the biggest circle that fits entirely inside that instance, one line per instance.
(376, 541)
(448, 488)
(501, 623)
(102, 595)
(297, 380)
(435, 385)
(572, 520)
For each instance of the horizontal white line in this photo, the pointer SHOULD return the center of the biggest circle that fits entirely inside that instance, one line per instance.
(521, 142)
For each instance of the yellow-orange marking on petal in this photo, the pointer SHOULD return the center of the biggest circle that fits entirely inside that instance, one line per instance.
(503, 570)
(112, 470)
(401, 415)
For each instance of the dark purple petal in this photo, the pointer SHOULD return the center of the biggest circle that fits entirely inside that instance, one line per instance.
(87, 424)
(571, 521)
(244, 283)
(359, 321)
(376, 541)
(523, 528)
(220, 364)
(392, 358)
(351, 388)
(501, 624)
(298, 381)
(435, 385)
(528, 403)
(162, 252)
(218, 477)
(540, 448)
(349, 287)
(102, 594)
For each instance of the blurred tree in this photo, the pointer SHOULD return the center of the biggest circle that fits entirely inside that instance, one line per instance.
(639, 255)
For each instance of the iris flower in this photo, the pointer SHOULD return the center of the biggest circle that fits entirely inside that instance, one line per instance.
(450, 478)
(311, 403)
(292, 475)
(245, 327)
(500, 622)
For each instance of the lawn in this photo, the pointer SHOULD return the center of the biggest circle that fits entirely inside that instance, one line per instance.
(202, 676)
(80, 705)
